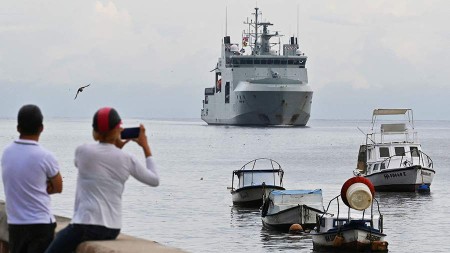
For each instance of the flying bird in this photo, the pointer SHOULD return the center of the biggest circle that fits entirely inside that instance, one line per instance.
(80, 90)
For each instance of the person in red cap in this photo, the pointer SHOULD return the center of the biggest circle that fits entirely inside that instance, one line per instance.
(103, 169)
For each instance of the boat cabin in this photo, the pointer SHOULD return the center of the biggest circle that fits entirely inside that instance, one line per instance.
(285, 199)
(328, 223)
(259, 177)
(374, 158)
(268, 172)
(370, 218)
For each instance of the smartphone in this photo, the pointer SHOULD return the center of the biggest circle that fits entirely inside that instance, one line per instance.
(130, 133)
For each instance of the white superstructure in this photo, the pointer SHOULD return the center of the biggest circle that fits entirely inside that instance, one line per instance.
(256, 83)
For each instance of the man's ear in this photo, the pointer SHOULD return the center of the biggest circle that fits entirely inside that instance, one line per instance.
(18, 128)
(41, 128)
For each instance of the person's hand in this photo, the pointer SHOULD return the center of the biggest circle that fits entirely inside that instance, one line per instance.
(120, 143)
(55, 184)
(142, 141)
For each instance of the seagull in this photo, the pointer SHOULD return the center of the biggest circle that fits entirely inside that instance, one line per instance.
(80, 90)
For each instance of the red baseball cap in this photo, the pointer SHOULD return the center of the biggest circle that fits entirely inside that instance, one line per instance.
(106, 119)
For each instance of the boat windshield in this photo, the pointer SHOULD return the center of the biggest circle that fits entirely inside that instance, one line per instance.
(268, 172)
(250, 178)
(312, 198)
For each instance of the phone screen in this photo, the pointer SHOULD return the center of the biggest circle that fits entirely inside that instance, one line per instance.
(130, 133)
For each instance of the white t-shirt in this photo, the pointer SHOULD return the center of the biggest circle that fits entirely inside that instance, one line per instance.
(26, 167)
(102, 171)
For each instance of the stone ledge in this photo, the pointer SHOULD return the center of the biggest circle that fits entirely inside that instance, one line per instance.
(123, 244)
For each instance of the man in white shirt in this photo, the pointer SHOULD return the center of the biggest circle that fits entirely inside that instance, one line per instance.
(30, 173)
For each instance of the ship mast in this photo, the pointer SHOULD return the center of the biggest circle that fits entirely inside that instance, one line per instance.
(261, 47)
(256, 27)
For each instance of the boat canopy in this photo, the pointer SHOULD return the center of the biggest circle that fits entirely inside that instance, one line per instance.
(269, 172)
(295, 192)
(397, 127)
(390, 111)
(259, 177)
(312, 198)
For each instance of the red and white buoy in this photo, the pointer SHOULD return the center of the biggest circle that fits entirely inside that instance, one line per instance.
(358, 193)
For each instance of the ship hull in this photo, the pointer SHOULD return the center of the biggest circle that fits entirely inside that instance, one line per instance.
(264, 108)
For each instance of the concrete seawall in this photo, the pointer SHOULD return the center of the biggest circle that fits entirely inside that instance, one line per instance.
(123, 244)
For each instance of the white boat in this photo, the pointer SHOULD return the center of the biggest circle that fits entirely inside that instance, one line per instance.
(392, 157)
(283, 208)
(256, 179)
(348, 231)
(257, 84)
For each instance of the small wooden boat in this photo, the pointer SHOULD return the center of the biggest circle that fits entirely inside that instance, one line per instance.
(256, 179)
(352, 231)
(283, 208)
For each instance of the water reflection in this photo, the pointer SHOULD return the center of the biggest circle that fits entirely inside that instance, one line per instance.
(244, 217)
(399, 202)
(403, 196)
(237, 211)
(279, 241)
(271, 240)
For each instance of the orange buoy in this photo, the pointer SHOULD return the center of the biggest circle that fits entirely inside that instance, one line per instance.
(295, 228)
(338, 241)
(379, 246)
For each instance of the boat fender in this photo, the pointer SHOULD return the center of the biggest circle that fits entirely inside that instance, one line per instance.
(338, 241)
(423, 188)
(379, 246)
(357, 193)
(295, 229)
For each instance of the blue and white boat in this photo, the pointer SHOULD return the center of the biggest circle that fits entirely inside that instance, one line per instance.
(283, 208)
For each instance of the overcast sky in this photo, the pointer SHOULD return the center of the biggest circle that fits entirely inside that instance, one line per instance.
(152, 59)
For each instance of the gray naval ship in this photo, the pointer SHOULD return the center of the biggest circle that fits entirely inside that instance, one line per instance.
(257, 85)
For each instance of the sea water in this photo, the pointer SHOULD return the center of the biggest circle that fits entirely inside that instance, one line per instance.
(192, 207)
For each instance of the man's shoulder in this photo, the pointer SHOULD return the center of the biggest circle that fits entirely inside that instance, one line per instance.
(8, 146)
(86, 146)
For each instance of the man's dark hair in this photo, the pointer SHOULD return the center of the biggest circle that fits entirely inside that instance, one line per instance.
(29, 120)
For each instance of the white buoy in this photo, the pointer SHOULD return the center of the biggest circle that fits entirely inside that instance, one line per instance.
(357, 193)
(359, 196)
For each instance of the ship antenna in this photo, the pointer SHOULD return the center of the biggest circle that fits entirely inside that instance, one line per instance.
(256, 28)
(226, 20)
(297, 20)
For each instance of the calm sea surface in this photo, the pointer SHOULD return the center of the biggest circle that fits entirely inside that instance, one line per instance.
(192, 207)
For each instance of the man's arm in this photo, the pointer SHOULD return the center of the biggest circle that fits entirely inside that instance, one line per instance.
(55, 184)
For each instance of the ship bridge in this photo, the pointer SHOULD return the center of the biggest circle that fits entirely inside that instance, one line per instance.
(265, 61)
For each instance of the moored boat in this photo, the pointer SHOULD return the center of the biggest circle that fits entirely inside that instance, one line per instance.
(283, 208)
(256, 178)
(392, 157)
(349, 231)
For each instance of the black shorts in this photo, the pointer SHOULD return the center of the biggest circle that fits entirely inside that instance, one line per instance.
(30, 238)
